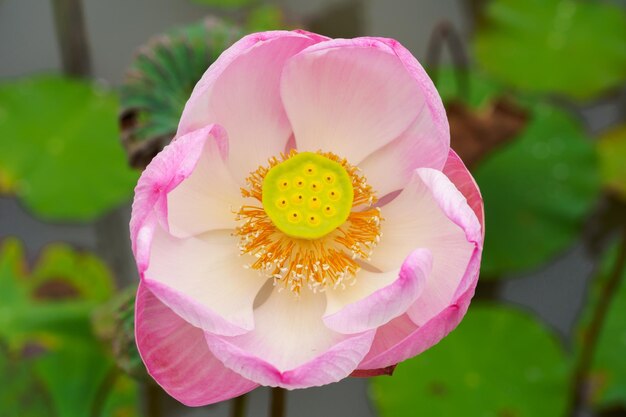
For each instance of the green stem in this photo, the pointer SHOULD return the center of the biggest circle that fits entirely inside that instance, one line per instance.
(580, 379)
(277, 402)
(103, 391)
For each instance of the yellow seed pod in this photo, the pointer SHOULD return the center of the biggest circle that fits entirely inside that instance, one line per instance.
(308, 195)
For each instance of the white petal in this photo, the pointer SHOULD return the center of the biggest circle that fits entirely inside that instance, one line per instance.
(208, 198)
(290, 345)
(203, 280)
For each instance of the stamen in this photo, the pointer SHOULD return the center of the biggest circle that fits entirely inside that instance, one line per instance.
(322, 262)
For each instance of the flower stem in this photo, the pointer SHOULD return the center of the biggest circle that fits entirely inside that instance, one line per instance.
(277, 402)
(153, 400)
(104, 390)
(238, 406)
(580, 379)
(72, 37)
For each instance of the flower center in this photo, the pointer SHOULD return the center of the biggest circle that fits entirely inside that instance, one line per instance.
(335, 224)
(307, 196)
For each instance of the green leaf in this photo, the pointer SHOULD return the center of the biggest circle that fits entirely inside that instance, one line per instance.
(21, 395)
(538, 189)
(59, 148)
(160, 81)
(608, 368)
(500, 362)
(49, 310)
(84, 272)
(576, 48)
(55, 300)
(73, 376)
(123, 399)
(612, 152)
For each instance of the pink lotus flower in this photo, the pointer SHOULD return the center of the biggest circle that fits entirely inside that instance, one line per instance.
(308, 223)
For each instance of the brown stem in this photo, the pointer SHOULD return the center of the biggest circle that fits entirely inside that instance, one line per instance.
(238, 406)
(72, 37)
(111, 229)
(445, 34)
(583, 367)
(277, 402)
(475, 9)
(153, 400)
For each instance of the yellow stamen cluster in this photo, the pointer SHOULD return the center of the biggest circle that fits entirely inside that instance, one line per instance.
(327, 261)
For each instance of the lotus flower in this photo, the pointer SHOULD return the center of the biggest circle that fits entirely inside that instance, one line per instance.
(309, 221)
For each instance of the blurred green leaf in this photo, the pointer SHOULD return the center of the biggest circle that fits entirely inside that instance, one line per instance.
(538, 189)
(265, 17)
(160, 81)
(577, 48)
(226, 4)
(612, 152)
(52, 302)
(499, 362)
(21, 395)
(122, 401)
(48, 311)
(73, 376)
(608, 369)
(59, 148)
(58, 264)
(81, 380)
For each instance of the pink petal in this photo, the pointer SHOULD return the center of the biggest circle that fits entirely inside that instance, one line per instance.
(203, 279)
(432, 99)
(387, 338)
(421, 146)
(349, 96)
(456, 171)
(426, 142)
(430, 213)
(401, 338)
(377, 298)
(167, 170)
(290, 346)
(240, 91)
(177, 357)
